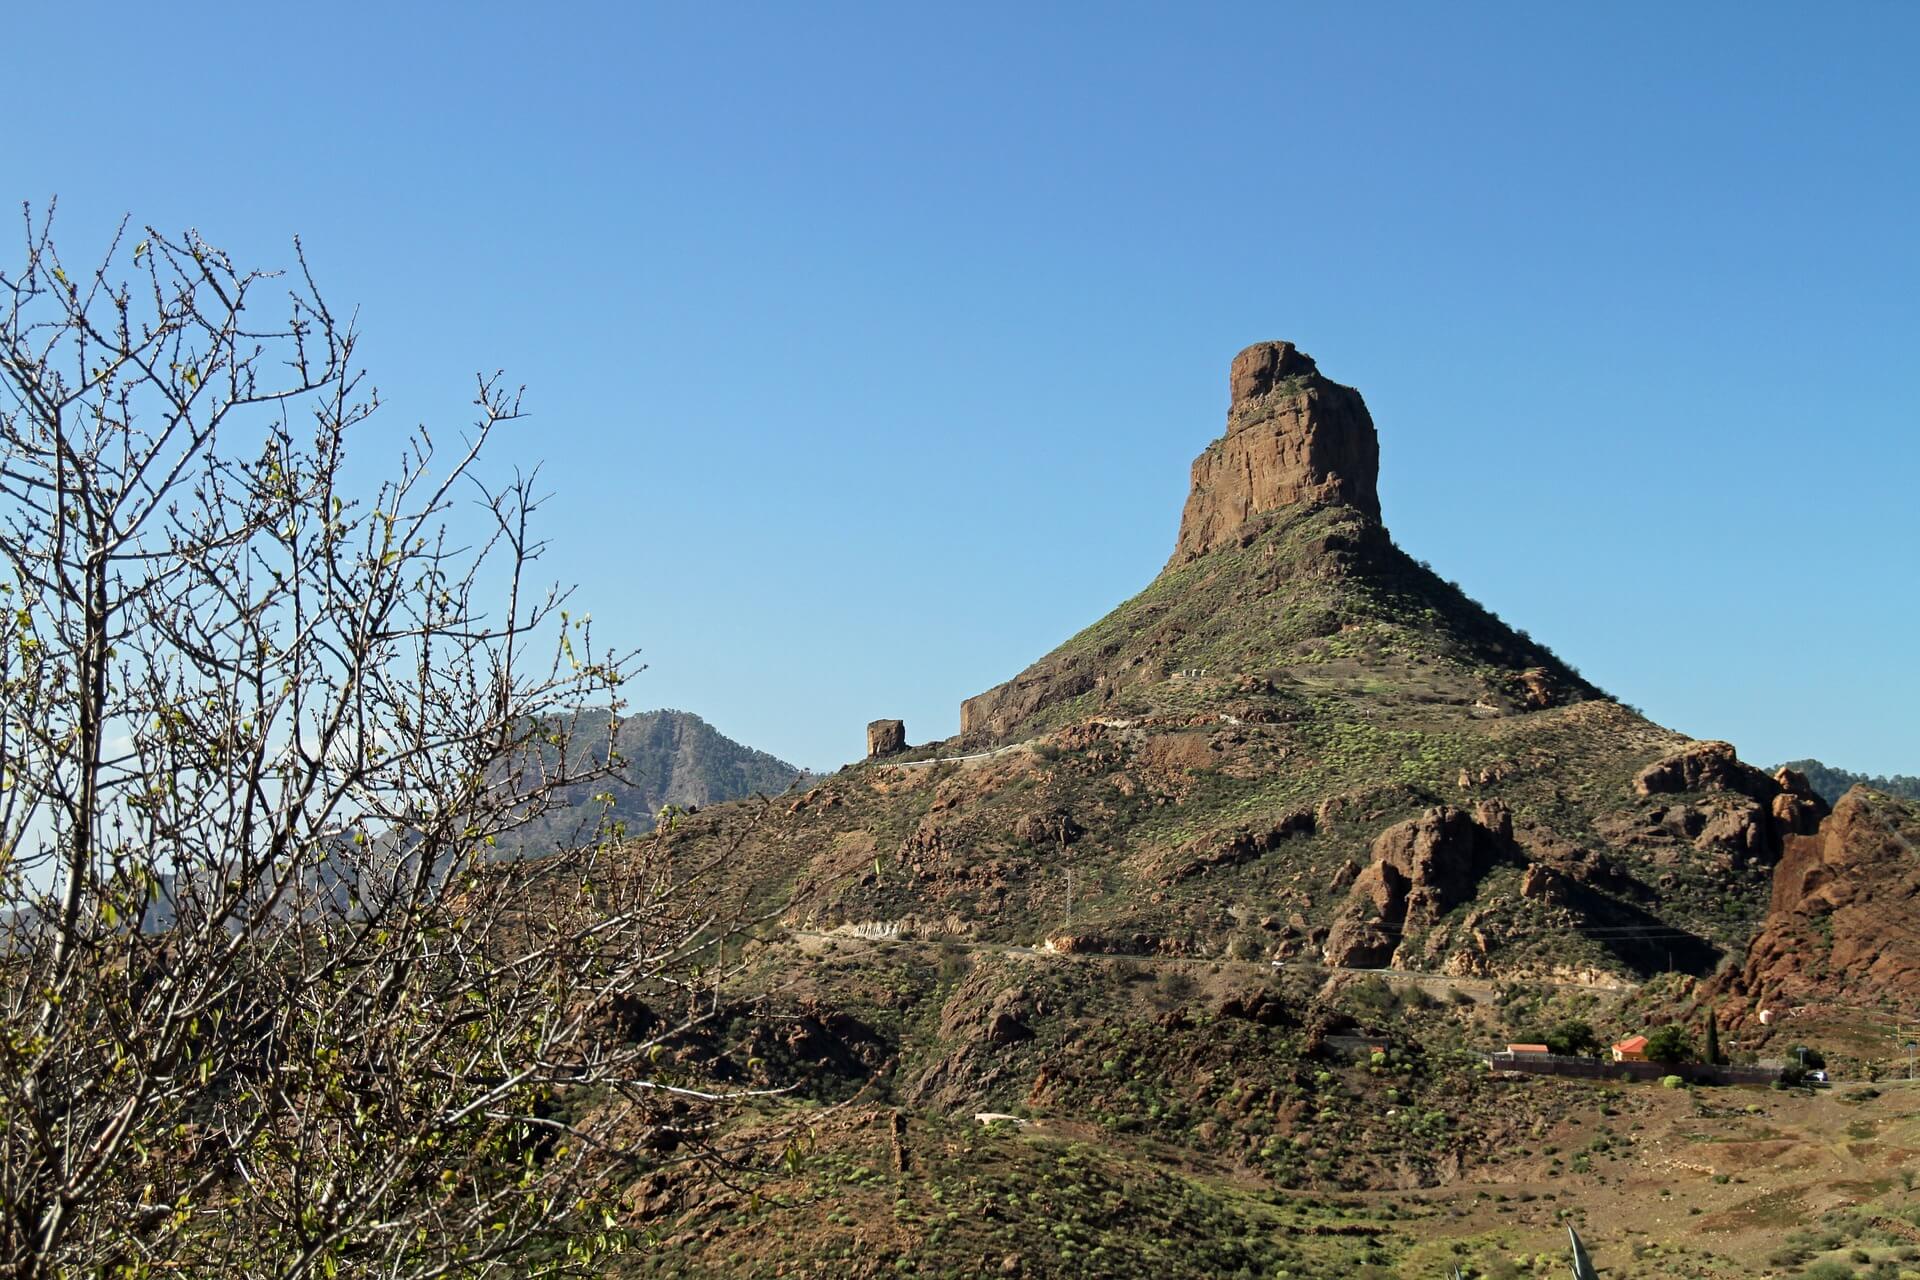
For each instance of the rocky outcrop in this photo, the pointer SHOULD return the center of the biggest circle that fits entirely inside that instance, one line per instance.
(1839, 927)
(1421, 869)
(1292, 436)
(886, 738)
(1705, 766)
(1054, 829)
(1218, 851)
(1744, 814)
(993, 713)
(1797, 810)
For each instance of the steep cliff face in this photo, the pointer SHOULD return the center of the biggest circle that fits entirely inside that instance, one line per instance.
(1292, 437)
(1844, 921)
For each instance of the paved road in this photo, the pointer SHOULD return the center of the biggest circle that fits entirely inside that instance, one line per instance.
(1482, 989)
(978, 755)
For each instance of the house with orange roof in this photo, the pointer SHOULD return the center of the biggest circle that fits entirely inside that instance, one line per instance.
(1528, 1048)
(1632, 1049)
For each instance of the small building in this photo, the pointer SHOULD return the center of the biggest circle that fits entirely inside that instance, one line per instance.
(1528, 1048)
(1357, 1046)
(1632, 1049)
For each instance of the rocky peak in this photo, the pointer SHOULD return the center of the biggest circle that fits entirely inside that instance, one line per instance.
(1292, 436)
(1255, 370)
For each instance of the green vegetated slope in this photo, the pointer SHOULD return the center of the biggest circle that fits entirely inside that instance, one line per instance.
(1318, 592)
(1034, 1116)
(1250, 725)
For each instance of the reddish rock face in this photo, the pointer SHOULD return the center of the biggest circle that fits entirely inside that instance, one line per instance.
(1255, 370)
(1840, 925)
(1422, 868)
(1706, 766)
(886, 738)
(1292, 436)
(1749, 812)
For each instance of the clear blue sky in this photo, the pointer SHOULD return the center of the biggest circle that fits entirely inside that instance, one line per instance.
(869, 346)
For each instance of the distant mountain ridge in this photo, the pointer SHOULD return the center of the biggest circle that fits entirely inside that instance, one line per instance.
(667, 757)
(1832, 783)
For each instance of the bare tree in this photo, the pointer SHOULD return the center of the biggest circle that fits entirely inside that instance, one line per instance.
(274, 1003)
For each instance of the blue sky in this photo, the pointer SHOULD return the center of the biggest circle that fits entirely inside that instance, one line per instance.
(868, 346)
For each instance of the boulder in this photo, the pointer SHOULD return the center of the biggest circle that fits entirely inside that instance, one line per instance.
(1537, 689)
(886, 738)
(1047, 830)
(1705, 766)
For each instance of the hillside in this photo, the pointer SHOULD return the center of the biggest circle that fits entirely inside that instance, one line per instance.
(1223, 900)
(666, 758)
(1297, 742)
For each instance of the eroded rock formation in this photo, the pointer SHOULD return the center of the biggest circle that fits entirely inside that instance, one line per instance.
(1744, 813)
(886, 738)
(1292, 436)
(1705, 766)
(1840, 925)
(1421, 869)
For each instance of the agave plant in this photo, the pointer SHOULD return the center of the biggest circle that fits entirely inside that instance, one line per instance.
(1582, 1263)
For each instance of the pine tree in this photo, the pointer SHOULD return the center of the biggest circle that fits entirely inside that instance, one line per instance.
(1713, 1038)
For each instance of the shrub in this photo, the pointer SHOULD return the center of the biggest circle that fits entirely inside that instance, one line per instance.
(1828, 1271)
(1573, 1038)
(1670, 1043)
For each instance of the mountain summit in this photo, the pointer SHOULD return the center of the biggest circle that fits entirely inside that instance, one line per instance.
(1301, 757)
(1282, 563)
(1292, 436)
